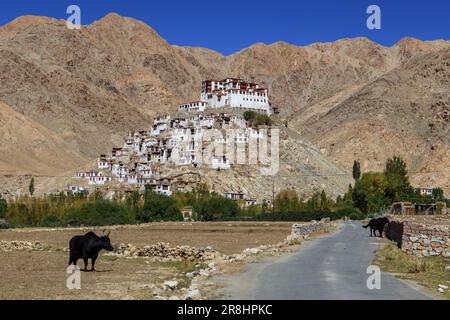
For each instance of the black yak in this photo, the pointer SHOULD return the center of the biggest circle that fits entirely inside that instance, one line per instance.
(394, 232)
(376, 225)
(87, 247)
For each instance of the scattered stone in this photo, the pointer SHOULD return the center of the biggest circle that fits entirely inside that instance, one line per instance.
(193, 294)
(20, 245)
(204, 272)
(170, 285)
(192, 274)
(251, 251)
(446, 253)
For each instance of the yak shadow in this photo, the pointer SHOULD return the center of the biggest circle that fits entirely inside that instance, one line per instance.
(97, 271)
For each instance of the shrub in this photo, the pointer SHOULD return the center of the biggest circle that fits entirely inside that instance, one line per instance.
(295, 216)
(99, 212)
(213, 206)
(51, 221)
(3, 207)
(158, 207)
(257, 119)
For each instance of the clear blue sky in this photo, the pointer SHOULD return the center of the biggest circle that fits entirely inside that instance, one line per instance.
(228, 26)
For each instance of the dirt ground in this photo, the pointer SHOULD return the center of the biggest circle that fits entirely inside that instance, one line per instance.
(42, 274)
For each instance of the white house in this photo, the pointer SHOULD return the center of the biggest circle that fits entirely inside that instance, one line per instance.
(162, 119)
(196, 106)
(240, 122)
(163, 188)
(120, 154)
(220, 162)
(158, 128)
(255, 133)
(76, 189)
(425, 191)
(120, 170)
(132, 178)
(240, 137)
(100, 179)
(235, 93)
(103, 162)
(87, 174)
(235, 195)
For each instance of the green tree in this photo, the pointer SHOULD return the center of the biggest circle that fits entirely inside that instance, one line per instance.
(214, 206)
(398, 185)
(356, 170)
(96, 213)
(31, 186)
(158, 207)
(3, 207)
(287, 201)
(368, 195)
(257, 119)
(249, 115)
(438, 194)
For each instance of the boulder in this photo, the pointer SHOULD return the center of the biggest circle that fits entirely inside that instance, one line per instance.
(251, 251)
(170, 285)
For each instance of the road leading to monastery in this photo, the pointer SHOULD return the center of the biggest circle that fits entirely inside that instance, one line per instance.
(331, 267)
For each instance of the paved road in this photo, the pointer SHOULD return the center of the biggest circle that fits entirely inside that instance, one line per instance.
(331, 267)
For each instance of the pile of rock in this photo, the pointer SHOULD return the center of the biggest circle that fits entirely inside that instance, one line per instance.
(303, 230)
(442, 288)
(422, 239)
(20, 245)
(170, 291)
(162, 251)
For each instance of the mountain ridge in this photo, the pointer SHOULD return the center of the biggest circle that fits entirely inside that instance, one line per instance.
(91, 86)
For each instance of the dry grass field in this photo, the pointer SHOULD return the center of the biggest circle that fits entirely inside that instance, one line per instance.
(42, 274)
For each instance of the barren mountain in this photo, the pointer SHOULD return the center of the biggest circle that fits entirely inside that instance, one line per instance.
(28, 147)
(406, 112)
(353, 98)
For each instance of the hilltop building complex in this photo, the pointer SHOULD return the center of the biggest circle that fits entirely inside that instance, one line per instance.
(179, 140)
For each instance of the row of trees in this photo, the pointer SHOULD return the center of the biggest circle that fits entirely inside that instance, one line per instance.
(208, 205)
(372, 192)
(376, 191)
(90, 209)
(94, 209)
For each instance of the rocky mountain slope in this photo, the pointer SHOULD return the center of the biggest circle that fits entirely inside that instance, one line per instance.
(352, 98)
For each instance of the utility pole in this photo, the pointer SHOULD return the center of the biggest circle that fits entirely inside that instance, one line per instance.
(273, 195)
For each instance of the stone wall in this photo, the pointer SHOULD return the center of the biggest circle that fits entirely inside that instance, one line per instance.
(425, 239)
(164, 252)
(305, 229)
